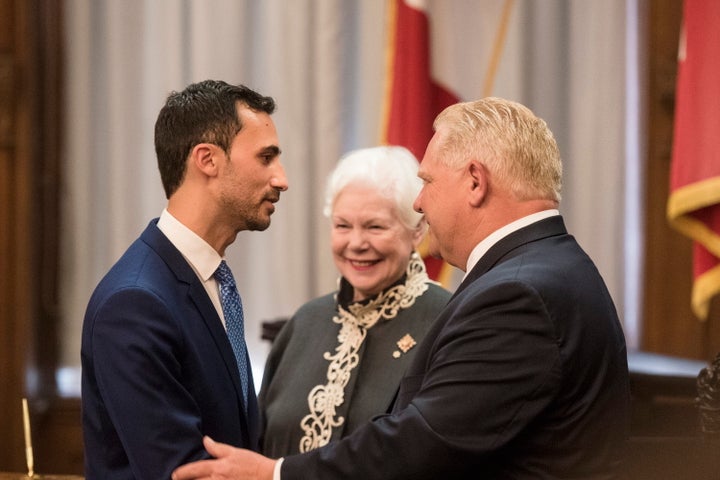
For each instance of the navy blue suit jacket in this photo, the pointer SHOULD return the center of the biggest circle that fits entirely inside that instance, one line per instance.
(522, 376)
(158, 371)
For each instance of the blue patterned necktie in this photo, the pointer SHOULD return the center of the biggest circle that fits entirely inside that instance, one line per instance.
(232, 309)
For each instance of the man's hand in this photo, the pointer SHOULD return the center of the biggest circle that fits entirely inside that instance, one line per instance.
(230, 463)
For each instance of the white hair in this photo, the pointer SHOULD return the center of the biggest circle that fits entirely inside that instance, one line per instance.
(390, 170)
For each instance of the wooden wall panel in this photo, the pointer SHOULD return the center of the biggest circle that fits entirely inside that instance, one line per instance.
(13, 315)
(30, 100)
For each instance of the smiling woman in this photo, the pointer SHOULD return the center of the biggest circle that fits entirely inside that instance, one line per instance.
(371, 247)
(354, 344)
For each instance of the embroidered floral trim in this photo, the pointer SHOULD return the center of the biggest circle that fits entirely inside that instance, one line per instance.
(323, 400)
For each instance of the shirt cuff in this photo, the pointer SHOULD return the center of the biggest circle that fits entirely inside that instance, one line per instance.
(276, 470)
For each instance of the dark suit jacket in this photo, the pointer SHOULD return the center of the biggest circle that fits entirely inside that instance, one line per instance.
(158, 371)
(523, 375)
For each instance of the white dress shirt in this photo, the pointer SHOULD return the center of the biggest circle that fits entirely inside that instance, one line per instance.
(203, 258)
(486, 244)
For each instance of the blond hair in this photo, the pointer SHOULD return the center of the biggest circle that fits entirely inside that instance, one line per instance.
(516, 147)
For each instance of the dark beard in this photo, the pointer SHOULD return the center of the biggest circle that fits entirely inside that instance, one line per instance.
(257, 224)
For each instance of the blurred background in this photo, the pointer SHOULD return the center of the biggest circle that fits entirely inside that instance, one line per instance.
(82, 81)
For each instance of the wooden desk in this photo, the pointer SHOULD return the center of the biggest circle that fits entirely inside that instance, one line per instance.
(665, 439)
(23, 476)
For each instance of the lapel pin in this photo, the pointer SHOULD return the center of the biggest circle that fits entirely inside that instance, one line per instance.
(404, 344)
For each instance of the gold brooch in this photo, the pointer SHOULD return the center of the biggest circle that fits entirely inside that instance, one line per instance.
(404, 344)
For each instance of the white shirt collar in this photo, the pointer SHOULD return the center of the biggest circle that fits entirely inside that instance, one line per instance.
(199, 254)
(487, 243)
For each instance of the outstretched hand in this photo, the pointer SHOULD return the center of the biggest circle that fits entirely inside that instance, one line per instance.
(230, 463)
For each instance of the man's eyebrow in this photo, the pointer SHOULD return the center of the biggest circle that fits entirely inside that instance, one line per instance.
(273, 149)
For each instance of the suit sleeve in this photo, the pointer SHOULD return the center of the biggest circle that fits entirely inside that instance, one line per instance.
(488, 371)
(136, 344)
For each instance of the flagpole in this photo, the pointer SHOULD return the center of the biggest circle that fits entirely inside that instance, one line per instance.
(389, 70)
(498, 47)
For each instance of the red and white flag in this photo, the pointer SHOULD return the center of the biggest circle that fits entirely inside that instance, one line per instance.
(694, 201)
(413, 98)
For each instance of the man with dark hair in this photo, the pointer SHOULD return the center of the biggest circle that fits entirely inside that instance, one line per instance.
(164, 360)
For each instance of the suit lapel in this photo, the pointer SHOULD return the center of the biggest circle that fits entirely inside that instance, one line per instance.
(200, 297)
(547, 227)
(197, 294)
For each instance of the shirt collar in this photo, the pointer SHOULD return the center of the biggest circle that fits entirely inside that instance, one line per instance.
(487, 243)
(199, 254)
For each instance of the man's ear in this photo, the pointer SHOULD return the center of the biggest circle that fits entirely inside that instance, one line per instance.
(479, 182)
(204, 157)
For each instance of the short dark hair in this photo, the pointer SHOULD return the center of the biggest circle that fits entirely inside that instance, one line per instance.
(204, 112)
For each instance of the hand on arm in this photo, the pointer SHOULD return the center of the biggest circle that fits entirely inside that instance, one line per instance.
(230, 463)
